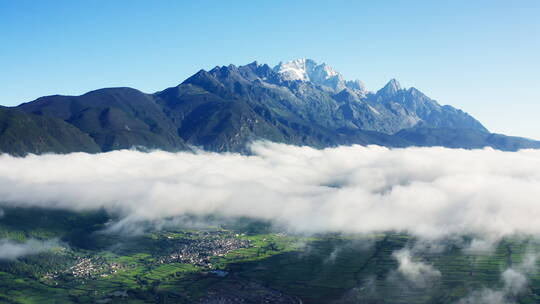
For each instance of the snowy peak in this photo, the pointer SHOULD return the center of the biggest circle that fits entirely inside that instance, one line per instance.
(393, 85)
(320, 74)
(298, 69)
(390, 89)
(356, 85)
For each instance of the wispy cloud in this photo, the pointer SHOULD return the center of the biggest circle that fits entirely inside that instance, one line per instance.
(416, 272)
(514, 282)
(11, 250)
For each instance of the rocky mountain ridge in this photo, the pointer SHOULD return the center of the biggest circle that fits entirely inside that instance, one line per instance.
(224, 109)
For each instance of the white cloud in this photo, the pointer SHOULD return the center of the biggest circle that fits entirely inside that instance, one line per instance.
(416, 272)
(11, 250)
(483, 245)
(428, 192)
(529, 263)
(515, 282)
(486, 296)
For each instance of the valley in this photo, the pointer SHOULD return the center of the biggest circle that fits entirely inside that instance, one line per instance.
(244, 261)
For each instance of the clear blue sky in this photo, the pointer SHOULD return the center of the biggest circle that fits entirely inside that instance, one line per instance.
(480, 56)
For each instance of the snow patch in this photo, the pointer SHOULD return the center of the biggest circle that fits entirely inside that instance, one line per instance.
(374, 110)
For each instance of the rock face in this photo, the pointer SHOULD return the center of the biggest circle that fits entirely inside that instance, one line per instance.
(298, 102)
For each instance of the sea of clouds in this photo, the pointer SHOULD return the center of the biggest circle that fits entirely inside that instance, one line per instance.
(435, 194)
(428, 192)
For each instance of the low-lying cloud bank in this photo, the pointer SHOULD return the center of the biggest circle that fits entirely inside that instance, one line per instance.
(11, 250)
(429, 192)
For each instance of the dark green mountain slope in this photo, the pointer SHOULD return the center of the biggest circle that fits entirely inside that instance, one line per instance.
(22, 133)
(116, 118)
(465, 138)
(215, 123)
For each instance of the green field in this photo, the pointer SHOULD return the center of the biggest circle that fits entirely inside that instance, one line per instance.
(87, 264)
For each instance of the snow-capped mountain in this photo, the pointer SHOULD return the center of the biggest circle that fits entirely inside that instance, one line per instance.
(224, 109)
(321, 74)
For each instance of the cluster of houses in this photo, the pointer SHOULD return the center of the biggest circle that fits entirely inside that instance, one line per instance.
(200, 249)
(90, 268)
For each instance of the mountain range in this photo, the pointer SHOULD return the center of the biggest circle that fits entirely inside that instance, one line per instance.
(299, 102)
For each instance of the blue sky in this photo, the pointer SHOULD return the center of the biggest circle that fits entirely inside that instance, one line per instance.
(480, 56)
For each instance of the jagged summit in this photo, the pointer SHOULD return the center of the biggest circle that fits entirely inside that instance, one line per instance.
(317, 90)
(299, 102)
(302, 69)
(390, 89)
(356, 85)
(320, 74)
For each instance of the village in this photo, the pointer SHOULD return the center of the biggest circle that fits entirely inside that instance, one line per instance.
(196, 248)
(199, 248)
(90, 268)
(86, 268)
